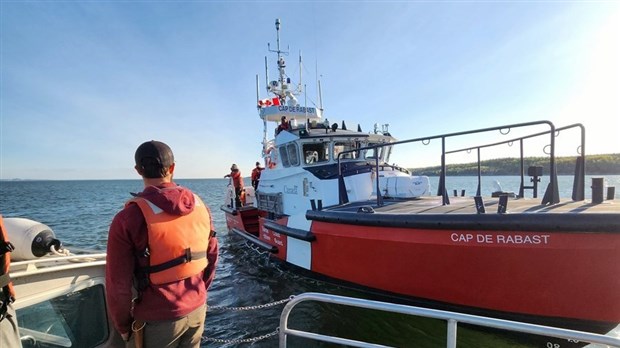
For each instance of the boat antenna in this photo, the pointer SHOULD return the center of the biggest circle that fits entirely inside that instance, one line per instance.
(320, 96)
(300, 71)
(281, 63)
(266, 74)
(306, 106)
(258, 106)
(257, 93)
(316, 76)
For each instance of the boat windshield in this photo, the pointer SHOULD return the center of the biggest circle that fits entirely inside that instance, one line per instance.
(77, 319)
(346, 145)
(315, 153)
(383, 152)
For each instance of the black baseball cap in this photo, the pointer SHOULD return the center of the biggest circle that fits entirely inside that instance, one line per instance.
(152, 152)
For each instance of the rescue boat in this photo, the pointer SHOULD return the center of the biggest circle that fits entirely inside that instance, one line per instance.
(329, 204)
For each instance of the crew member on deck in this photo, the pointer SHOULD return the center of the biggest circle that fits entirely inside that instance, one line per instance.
(162, 254)
(237, 180)
(283, 125)
(256, 175)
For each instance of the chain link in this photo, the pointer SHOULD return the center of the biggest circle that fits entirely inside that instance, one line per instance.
(257, 249)
(249, 308)
(241, 340)
(246, 308)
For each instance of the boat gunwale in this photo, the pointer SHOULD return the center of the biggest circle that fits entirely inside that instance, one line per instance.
(50, 264)
(603, 222)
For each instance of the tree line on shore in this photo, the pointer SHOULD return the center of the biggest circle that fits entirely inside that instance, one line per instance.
(607, 164)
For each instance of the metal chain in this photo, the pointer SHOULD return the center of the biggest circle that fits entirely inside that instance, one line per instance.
(246, 308)
(249, 308)
(257, 249)
(241, 340)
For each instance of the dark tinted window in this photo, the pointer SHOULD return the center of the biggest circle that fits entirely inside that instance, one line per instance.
(77, 319)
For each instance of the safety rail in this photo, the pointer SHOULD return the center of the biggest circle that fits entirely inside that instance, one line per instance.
(552, 190)
(578, 186)
(452, 319)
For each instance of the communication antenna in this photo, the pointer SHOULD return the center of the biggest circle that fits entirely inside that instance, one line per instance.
(281, 65)
(320, 97)
(266, 74)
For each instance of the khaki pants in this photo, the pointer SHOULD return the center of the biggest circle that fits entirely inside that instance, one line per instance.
(184, 332)
(9, 335)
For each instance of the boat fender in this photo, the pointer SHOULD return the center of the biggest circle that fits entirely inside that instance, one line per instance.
(31, 239)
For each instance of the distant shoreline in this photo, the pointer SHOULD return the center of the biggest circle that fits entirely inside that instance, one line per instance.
(608, 164)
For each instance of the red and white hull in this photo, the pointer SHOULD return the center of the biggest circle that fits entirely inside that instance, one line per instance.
(564, 278)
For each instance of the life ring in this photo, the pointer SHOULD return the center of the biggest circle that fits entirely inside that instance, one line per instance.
(271, 158)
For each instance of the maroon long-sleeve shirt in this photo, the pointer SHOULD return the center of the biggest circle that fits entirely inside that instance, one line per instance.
(127, 241)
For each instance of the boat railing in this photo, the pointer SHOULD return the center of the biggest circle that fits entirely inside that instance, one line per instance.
(579, 180)
(552, 193)
(452, 319)
(54, 263)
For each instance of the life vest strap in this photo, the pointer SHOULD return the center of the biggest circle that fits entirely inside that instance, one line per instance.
(5, 279)
(5, 295)
(187, 257)
(6, 247)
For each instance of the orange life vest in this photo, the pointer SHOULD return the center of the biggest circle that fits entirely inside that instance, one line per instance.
(177, 245)
(7, 293)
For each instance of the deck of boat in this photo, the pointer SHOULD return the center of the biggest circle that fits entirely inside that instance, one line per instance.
(466, 205)
(516, 214)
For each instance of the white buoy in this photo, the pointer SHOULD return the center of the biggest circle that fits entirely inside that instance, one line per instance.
(31, 239)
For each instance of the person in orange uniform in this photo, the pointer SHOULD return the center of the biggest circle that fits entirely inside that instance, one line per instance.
(256, 175)
(283, 125)
(162, 247)
(237, 181)
(9, 335)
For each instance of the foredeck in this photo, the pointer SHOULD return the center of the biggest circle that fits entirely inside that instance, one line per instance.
(462, 214)
(467, 205)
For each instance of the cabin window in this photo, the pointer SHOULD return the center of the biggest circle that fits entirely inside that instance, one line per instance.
(77, 319)
(341, 146)
(372, 153)
(293, 158)
(284, 156)
(288, 155)
(316, 153)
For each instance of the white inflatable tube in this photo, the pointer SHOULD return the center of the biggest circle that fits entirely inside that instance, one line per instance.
(31, 239)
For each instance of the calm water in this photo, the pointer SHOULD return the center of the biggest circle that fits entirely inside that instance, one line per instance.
(80, 212)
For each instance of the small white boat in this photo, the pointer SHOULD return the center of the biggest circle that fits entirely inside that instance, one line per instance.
(60, 296)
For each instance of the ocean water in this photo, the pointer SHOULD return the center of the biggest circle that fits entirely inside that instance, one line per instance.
(79, 213)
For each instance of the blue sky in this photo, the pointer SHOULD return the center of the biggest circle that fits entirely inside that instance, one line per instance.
(83, 83)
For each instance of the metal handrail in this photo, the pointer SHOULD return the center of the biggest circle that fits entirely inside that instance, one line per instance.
(578, 190)
(553, 189)
(452, 319)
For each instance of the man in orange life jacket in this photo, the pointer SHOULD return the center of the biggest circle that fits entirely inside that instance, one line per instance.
(9, 335)
(237, 180)
(256, 175)
(162, 247)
